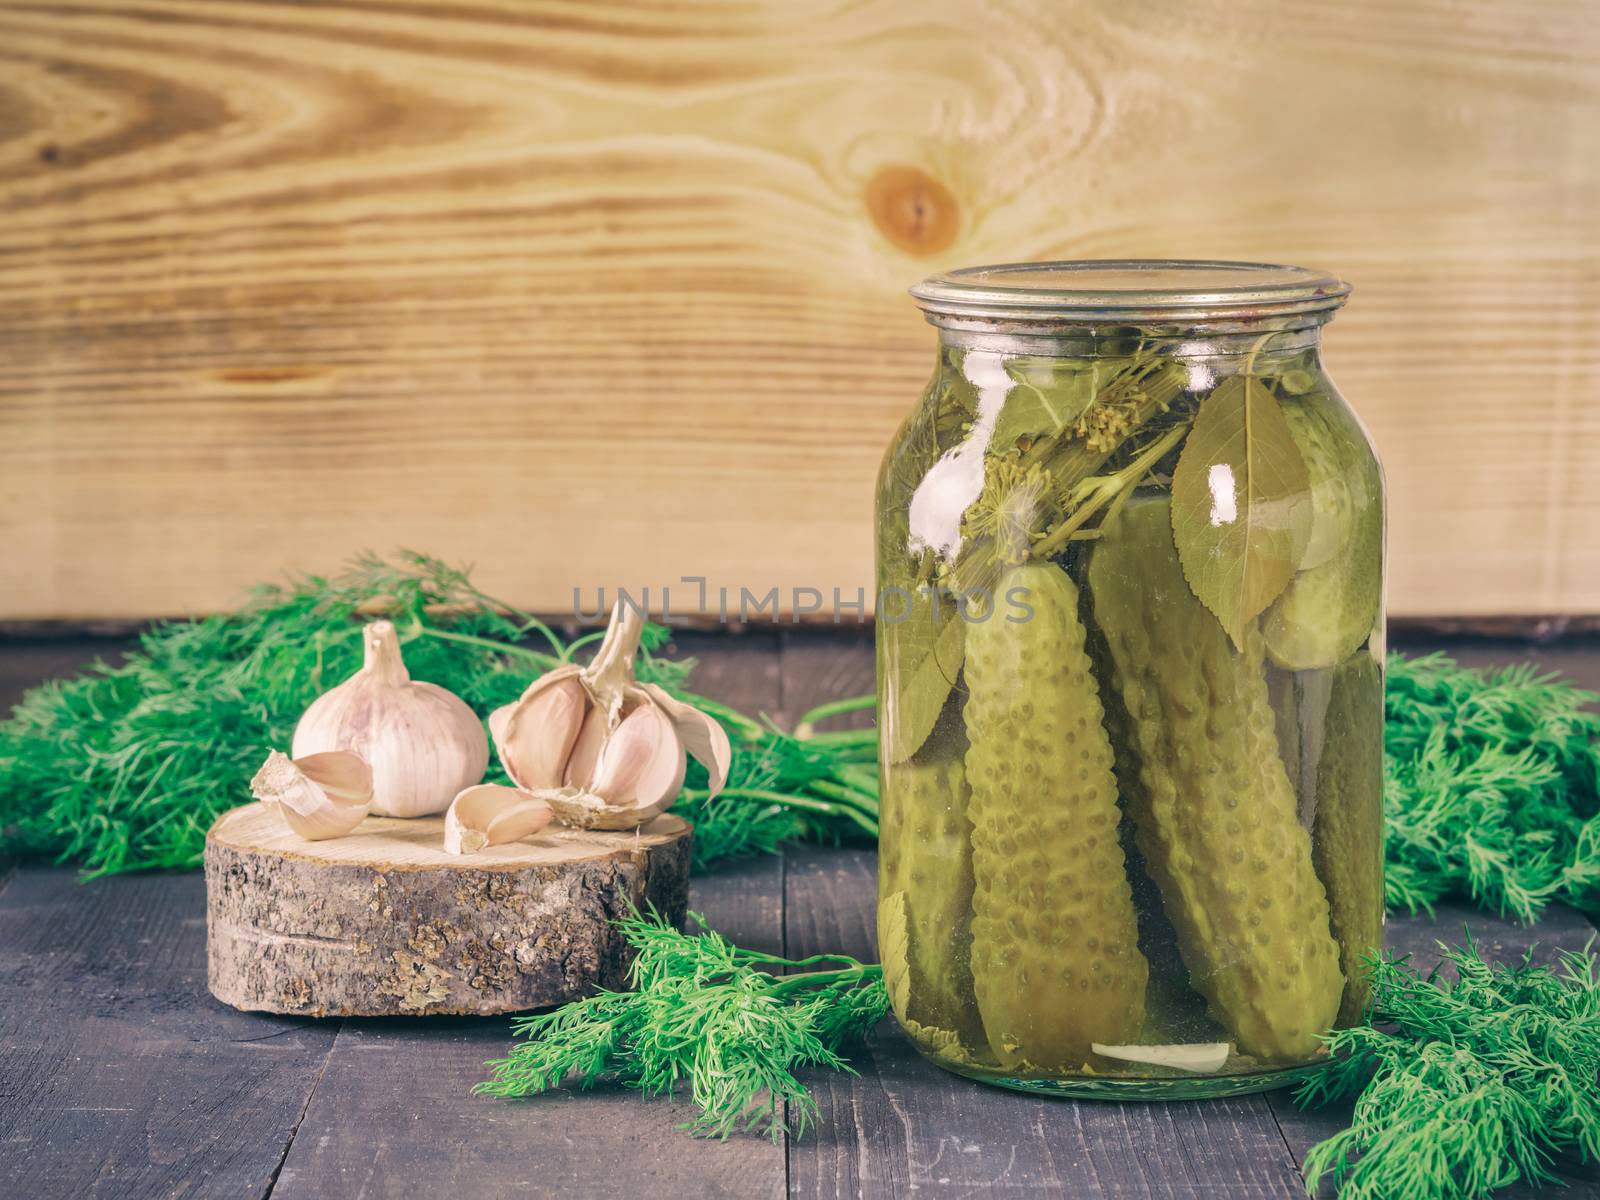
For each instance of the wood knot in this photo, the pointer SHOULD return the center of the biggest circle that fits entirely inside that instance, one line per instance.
(913, 209)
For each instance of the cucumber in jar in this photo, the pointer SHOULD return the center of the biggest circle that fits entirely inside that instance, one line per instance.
(1347, 835)
(1056, 964)
(1213, 807)
(925, 891)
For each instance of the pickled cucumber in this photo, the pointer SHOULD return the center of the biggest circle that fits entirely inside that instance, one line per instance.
(1173, 1011)
(1348, 839)
(1214, 811)
(1300, 703)
(927, 858)
(1330, 608)
(1055, 958)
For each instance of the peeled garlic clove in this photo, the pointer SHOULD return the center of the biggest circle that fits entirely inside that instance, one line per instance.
(702, 735)
(319, 796)
(534, 736)
(489, 815)
(1199, 1057)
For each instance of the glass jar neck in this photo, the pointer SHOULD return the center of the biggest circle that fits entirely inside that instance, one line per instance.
(1263, 339)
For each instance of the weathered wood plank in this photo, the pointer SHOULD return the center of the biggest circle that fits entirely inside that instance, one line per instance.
(1562, 928)
(1576, 657)
(119, 1075)
(283, 281)
(395, 1110)
(742, 668)
(819, 666)
(395, 1113)
(905, 1126)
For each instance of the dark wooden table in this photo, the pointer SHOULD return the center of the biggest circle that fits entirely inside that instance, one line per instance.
(121, 1077)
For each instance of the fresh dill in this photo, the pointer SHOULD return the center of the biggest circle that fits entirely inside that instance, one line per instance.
(1467, 1080)
(1491, 787)
(124, 767)
(706, 1014)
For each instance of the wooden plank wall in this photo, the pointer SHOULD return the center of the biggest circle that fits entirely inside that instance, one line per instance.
(595, 293)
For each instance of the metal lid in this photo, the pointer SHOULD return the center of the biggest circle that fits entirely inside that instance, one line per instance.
(1128, 291)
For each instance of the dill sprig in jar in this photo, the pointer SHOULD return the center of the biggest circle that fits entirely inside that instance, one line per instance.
(1130, 675)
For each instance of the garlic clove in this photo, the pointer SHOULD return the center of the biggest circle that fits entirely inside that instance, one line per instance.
(343, 775)
(490, 815)
(535, 735)
(606, 752)
(702, 735)
(499, 722)
(586, 750)
(585, 810)
(319, 796)
(1202, 1058)
(641, 765)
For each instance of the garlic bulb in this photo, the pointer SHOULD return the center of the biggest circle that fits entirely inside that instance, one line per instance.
(424, 745)
(319, 796)
(488, 815)
(602, 750)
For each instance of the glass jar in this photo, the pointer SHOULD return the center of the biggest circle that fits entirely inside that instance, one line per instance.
(1130, 682)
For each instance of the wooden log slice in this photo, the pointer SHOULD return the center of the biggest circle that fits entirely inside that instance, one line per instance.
(385, 923)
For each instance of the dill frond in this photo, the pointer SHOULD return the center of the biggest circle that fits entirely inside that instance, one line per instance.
(1491, 787)
(1467, 1080)
(705, 1015)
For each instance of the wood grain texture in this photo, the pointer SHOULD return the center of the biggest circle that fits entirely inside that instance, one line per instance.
(281, 282)
(119, 1076)
(819, 666)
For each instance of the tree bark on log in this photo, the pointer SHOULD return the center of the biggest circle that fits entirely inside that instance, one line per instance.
(385, 923)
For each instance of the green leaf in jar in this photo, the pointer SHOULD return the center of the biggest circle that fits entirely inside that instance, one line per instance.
(1241, 508)
(920, 658)
(919, 635)
(1048, 398)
